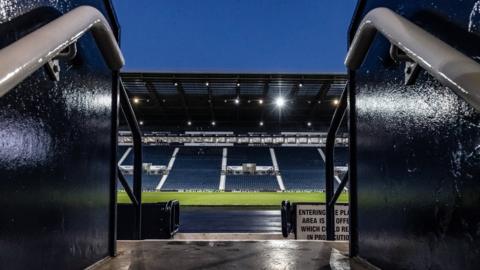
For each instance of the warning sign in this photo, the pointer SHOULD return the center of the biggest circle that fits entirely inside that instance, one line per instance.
(311, 222)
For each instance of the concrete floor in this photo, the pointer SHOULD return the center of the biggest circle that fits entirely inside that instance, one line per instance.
(189, 255)
(230, 236)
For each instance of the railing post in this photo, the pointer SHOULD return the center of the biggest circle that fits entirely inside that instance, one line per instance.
(352, 171)
(113, 168)
(330, 166)
(137, 157)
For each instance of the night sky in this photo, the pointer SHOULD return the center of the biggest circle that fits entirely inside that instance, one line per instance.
(264, 36)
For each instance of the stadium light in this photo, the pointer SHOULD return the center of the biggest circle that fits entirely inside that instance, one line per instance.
(309, 124)
(141, 123)
(335, 102)
(213, 123)
(238, 84)
(280, 102)
(237, 101)
(207, 84)
(260, 101)
(136, 100)
(176, 84)
(189, 123)
(261, 123)
(300, 85)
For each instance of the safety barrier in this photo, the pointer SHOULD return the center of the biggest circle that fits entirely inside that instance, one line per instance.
(160, 220)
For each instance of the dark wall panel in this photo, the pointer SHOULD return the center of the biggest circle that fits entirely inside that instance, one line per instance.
(55, 147)
(418, 150)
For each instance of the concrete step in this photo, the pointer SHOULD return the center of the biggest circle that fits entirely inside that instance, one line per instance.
(270, 254)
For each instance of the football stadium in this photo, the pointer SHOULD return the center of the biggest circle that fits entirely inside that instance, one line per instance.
(227, 134)
(268, 162)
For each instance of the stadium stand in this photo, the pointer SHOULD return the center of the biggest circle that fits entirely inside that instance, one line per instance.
(258, 155)
(245, 182)
(198, 168)
(302, 168)
(157, 155)
(149, 181)
(341, 156)
(195, 168)
(128, 159)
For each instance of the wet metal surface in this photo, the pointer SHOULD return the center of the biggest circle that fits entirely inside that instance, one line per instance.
(183, 255)
(54, 152)
(229, 219)
(418, 151)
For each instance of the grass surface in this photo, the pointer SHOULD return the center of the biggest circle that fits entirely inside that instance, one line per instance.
(230, 198)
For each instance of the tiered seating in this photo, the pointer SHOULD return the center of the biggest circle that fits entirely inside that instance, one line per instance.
(302, 168)
(198, 168)
(129, 159)
(157, 155)
(195, 168)
(149, 182)
(258, 155)
(340, 156)
(251, 183)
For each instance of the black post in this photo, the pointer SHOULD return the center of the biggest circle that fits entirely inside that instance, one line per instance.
(127, 188)
(330, 166)
(339, 190)
(352, 173)
(137, 157)
(112, 245)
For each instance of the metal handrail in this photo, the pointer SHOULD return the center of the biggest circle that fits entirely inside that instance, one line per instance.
(445, 63)
(24, 56)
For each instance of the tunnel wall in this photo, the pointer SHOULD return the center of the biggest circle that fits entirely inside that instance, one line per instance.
(55, 150)
(418, 150)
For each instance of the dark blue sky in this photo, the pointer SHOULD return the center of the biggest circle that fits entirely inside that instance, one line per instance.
(294, 36)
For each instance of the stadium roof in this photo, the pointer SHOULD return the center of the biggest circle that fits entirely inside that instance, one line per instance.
(227, 101)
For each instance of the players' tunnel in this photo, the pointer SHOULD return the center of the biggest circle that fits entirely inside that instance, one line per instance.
(397, 139)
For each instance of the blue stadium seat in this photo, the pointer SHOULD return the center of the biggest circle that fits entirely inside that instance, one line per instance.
(121, 151)
(157, 155)
(302, 168)
(340, 156)
(198, 168)
(195, 168)
(149, 182)
(258, 155)
(251, 183)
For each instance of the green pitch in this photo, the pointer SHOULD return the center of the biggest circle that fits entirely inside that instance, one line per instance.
(230, 198)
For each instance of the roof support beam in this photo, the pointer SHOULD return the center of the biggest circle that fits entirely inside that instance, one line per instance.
(237, 96)
(319, 99)
(266, 88)
(181, 92)
(155, 97)
(294, 91)
(211, 103)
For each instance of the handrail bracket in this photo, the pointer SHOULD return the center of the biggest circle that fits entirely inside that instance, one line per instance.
(412, 68)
